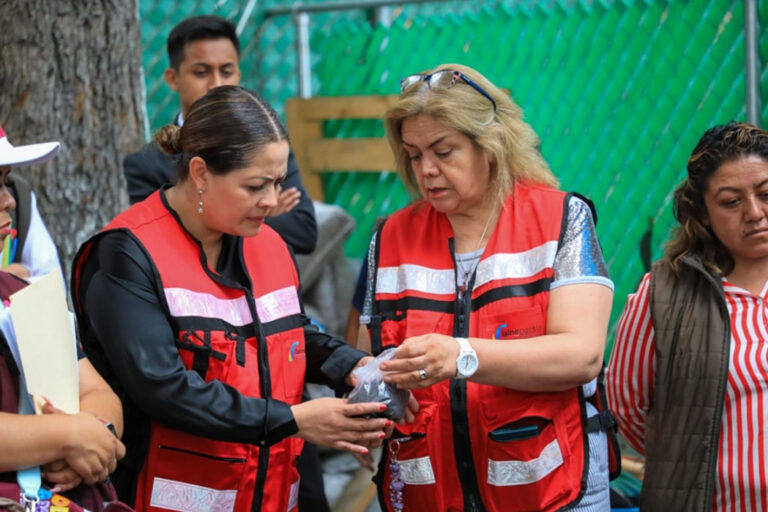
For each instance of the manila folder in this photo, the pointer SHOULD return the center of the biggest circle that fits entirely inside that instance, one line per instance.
(46, 339)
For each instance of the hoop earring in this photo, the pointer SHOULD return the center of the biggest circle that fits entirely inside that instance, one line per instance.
(200, 204)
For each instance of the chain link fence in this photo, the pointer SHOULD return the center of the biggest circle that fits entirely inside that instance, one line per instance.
(619, 91)
(268, 43)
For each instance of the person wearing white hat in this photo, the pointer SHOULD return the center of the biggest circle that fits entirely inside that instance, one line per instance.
(16, 156)
(32, 253)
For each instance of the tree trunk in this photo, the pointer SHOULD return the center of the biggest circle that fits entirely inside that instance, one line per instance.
(71, 71)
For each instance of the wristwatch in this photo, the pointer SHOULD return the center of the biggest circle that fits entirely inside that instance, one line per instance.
(109, 426)
(466, 363)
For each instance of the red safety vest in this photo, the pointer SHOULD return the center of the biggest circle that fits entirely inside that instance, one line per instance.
(222, 333)
(478, 447)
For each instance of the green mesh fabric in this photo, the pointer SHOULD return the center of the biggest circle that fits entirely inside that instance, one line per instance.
(619, 91)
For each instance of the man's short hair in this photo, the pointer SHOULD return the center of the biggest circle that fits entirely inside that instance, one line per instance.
(196, 28)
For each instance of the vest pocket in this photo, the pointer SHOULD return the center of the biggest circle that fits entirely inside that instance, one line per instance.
(196, 480)
(501, 322)
(426, 322)
(524, 464)
(416, 470)
(414, 452)
(386, 329)
(287, 364)
(283, 493)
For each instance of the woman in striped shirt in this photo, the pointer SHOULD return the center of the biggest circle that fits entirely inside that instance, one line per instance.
(688, 377)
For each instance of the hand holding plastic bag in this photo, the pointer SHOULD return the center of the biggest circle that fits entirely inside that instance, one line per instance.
(372, 388)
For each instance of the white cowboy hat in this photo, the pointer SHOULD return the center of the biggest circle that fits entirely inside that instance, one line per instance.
(16, 156)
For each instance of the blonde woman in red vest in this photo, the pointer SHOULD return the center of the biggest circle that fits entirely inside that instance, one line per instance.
(494, 290)
(687, 376)
(189, 306)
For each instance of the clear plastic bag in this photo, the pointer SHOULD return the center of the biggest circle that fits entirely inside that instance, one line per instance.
(372, 388)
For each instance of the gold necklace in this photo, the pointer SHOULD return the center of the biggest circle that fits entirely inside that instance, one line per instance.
(468, 272)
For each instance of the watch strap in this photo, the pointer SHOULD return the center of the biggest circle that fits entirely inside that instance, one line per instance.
(464, 345)
(109, 426)
(464, 349)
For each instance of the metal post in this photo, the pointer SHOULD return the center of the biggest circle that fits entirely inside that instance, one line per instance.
(752, 62)
(304, 54)
(382, 16)
(342, 5)
(244, 18)
(301, 13)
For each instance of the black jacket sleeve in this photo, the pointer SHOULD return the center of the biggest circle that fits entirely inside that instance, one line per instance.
(298, 226)
(146, 171)
(135, 338)
(329, 359)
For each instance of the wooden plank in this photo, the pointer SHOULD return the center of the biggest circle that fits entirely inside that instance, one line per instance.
(304, 121)
(362, 154)
(366, 498)
(357, 494)
(301, 132)
(343, 107)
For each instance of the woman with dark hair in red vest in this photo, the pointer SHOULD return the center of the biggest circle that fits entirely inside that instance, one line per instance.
(189, 306)
(494, 289)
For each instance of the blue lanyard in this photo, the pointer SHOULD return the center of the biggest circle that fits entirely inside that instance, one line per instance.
(29, 479)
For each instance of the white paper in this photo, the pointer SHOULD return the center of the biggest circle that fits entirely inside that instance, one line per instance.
(46, 341)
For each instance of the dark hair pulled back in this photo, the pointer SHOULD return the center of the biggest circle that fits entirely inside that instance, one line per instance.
(226, 128)
(168, 138)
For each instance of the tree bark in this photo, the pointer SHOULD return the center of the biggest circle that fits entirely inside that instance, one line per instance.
(71, 71)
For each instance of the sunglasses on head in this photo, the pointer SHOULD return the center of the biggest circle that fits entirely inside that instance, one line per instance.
(443, 79)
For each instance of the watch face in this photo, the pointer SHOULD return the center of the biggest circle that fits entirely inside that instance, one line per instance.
(467, 364)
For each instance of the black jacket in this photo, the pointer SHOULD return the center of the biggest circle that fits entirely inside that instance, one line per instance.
(150, 168)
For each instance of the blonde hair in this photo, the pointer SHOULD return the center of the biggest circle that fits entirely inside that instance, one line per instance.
(511, 142)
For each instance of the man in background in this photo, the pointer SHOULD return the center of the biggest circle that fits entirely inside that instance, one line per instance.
(203, 53)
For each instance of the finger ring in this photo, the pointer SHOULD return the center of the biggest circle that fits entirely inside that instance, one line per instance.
(422, 374)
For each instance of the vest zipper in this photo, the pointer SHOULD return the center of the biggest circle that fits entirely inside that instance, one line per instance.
(720, 405)
(230, 460)
(266, 393)
(412, 437)
(462, 445)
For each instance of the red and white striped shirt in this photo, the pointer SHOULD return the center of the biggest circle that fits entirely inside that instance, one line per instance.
(741, 477)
